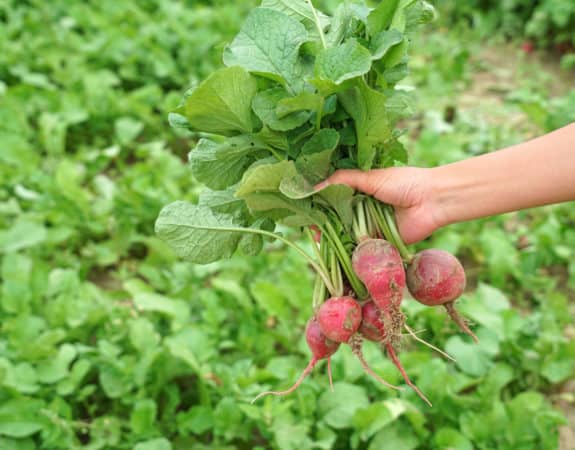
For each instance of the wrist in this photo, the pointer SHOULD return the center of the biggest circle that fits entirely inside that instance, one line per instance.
(443, 196)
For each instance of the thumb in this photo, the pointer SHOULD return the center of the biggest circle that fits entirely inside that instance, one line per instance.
(366, 182)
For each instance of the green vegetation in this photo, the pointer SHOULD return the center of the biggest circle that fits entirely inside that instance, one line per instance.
(110, 341)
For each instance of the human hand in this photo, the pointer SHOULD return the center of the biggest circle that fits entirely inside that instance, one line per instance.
(408, 189)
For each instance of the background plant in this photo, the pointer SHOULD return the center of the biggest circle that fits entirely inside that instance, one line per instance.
(109, 341)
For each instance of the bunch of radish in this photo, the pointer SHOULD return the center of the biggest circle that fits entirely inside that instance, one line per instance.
(433, 277)
(282, 116)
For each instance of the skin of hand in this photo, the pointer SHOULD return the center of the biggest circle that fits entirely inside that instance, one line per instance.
(535, 173)
(407, 189)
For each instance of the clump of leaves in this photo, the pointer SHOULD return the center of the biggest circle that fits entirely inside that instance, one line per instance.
(302, 95)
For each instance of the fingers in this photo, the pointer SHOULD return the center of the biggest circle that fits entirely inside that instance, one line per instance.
(366, 182)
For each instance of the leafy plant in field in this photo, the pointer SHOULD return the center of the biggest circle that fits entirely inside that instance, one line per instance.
(109, 341)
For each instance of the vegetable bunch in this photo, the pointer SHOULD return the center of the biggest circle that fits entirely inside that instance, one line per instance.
(302, 95)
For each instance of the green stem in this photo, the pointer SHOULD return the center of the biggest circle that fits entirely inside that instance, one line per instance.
(319, 115)
(318, 255)
(303, 135)
(390, 220)
(324, 275)
(361, 222)
(345, 261)
(276, 154)
(336, 277)
(318, 292)
(379, 220)
(317, 24)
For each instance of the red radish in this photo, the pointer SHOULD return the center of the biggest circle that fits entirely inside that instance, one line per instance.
(378, 265)
(316, 233)
(339, 318)
(436, 277)
(373, 329)
(321, 348)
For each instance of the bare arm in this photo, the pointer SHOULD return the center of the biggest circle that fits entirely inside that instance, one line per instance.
(534, 173)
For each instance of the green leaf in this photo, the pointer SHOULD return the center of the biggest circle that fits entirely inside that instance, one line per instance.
(338, 408)
(150, 301)
(154, 444)
(220, 165)
(268, 44)
(297, 187)
(301, 10)
(265, 104)
(314, 161)
(20, 417)
(340, 25)
(143, 335)
(127, 129)
(16, 283)
(376, 416)
(17, 444)
(396, 436)
(345, 62)
(196, 233)
(193, 346)
(222, 103)
(383, 42)
(23, 234)
(340, 198)
(274, 138)
(265, 178)
(224, 202)
(468, 356)
(392, 152)
(380, 18)
(57, 368)
(452, 439)
(296, 212)
(367, 107)
(143, 416)
(306, 101)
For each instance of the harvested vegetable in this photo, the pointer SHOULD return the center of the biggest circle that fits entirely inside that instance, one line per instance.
(302, 95)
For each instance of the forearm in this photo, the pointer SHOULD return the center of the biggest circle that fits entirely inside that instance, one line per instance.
(534, 173)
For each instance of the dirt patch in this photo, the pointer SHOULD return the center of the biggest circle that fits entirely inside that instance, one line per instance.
(498, 71)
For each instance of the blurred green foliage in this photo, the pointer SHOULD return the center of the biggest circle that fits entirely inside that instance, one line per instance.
(546, 23)
(107, 341)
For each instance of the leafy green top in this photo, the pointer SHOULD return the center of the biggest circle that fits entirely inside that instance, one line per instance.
(303, 95)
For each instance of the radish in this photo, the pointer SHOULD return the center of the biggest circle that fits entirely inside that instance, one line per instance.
(379, 266)
(436, 277)
(373, 328)
(321, 348)
(339, 318)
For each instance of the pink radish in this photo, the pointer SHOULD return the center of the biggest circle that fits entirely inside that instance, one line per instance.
(373, 329)
(436, 277)
(378, 265)
(339, 318)
(321, 348)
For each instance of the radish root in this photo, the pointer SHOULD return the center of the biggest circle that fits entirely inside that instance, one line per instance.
(397, 362)
(304, 374)
(424, 342)
(460, 321)
(355, 344)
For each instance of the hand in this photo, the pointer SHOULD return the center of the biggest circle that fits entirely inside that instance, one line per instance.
(408, 189)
